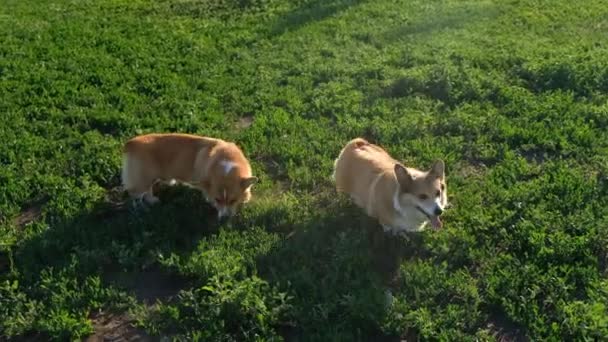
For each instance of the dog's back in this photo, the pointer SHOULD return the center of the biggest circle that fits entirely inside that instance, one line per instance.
(160, 156)
(365, 172)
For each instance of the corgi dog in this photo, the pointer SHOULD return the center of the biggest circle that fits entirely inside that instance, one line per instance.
(216, 167)
(400, 198)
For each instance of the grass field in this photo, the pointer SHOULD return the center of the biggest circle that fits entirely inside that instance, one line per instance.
(512, 94)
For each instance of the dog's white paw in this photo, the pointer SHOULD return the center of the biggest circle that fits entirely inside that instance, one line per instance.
(388, 298)
(151, 199)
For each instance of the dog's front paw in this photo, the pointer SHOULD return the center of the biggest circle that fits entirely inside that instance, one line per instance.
(151, 199)
(404, 235)
(387, 228)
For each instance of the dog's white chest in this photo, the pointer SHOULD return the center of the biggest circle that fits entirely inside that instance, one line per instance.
(406, 218)
(409, 219)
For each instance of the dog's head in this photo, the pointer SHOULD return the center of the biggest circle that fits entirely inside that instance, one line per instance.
(426, 191)
(226, 194)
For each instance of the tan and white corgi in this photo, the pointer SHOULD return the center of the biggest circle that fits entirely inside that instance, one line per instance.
(400, 198)
(217, 167)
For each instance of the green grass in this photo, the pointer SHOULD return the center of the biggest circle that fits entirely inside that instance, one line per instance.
(511, 94)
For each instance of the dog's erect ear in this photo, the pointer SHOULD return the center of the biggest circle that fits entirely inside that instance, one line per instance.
(247, 182)
(404, 178)
(438, 168)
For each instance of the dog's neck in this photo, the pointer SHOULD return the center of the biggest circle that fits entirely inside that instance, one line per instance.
(414, 222)
(397, 205)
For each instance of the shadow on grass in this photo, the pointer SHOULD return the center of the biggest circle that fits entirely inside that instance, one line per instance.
(204, 9)
(452, 18)
(436, 83)
(332, 259)
(310, 12)
(337, 265)
(118, 245)
(99, 232)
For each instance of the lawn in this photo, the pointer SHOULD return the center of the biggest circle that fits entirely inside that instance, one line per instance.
(511, 94)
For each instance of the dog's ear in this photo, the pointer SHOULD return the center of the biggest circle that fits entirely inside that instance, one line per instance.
(247, 182)
(404, 178)
(438, 169)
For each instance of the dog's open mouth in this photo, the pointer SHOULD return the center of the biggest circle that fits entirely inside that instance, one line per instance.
(435, 221)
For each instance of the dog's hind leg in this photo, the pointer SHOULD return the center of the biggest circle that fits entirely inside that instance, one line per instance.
(386, 228)
(137, 181)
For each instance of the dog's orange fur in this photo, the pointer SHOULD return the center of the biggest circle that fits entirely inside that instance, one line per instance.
(387, 190)
(217, 167)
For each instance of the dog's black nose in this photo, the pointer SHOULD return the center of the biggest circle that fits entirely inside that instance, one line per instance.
(438, 211)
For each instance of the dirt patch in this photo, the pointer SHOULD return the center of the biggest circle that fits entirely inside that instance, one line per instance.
(273, 168)
(148, 286)
(534, 156)
(504, 330)
(31, 213)
(28, 216)
(115, 328)
(472, 171)
(244, 122)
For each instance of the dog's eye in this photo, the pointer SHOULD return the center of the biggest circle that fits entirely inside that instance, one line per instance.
(423, 197)
(442, 186)
(438, 193)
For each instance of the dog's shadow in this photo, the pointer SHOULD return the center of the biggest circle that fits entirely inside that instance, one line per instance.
(120, 241)
(338, 264)
(389, 251)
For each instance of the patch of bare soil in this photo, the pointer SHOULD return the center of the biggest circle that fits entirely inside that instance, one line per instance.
(504, 330)
(148, 286)
(115, 328)
(472, 170)
(30, 214)
(534, 156)
(271, 166)
(244, 122)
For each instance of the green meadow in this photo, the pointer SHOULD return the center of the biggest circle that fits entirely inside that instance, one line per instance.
(511, 94)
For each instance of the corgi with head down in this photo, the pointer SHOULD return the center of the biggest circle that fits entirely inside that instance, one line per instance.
(216, 167)
(400, 198)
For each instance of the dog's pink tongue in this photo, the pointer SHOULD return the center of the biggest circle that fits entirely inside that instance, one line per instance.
(436, 222)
